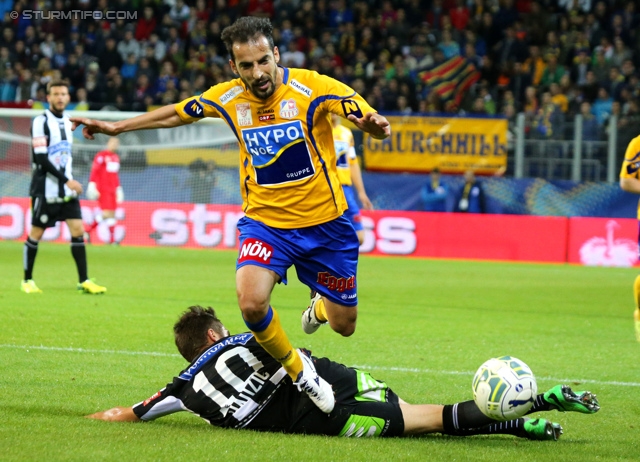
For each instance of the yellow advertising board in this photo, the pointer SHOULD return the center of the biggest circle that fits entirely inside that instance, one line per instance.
(452, 144)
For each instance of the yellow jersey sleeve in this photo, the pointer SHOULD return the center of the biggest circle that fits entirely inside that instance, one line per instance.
(631, 163)
(287, 158)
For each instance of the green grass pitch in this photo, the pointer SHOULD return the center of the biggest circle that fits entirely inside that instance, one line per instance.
(424, 326)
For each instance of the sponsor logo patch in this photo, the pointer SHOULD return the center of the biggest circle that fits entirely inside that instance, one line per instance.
(264, 117)
(297, 86)
(230, 94)
(278, 152)
(349, 107)
(194, 109)
(255, 250)
(337, 284)
(288, 109)
(244, 117)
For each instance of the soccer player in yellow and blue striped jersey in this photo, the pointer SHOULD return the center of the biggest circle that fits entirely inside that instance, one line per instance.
(292, 198)
(630, 182)
(350, 175)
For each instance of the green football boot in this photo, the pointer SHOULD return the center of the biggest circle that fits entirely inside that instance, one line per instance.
(567, 400)
(541, 429)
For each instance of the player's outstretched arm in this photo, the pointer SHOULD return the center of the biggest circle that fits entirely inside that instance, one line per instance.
(164, 117)
(116, 414)
(373, 123)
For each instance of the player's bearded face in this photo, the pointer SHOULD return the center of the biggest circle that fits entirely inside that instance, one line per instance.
(257, 65)
(58, 98)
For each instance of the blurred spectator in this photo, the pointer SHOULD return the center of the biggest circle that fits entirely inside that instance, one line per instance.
(448, 46)
(553, 72)
(558, 97)
(601, 66)
(110, 56)
(129, 69)
(146, 25)
(158, 48)
(8, 86)
(81, 97)
(530, 104)
(591, 128)
(434, 193)
(470, 197)
(460, 15)
(128, 45)
(549, 121)
(615, 84)
(179, 12)
(27, 86)
(5, 61)
(590, 87)
(602, 106)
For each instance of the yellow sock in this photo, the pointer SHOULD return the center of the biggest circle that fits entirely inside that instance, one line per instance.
(275, 342)
(321, 311)
(636, 291)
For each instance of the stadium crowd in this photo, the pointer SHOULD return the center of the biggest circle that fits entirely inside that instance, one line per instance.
(550, 59)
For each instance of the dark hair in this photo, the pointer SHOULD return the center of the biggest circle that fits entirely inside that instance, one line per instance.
(57, 83)
(190, 331)
(245, 29)
(435, 170)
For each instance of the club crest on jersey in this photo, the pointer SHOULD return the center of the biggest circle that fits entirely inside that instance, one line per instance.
(279, 153)
(288, 109)
(243, 111)
(349, 107)
(230, 94)
(194, 109)
(255, 250)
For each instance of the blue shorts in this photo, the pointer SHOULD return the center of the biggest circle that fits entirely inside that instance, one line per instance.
(353, 212)
(325, 256)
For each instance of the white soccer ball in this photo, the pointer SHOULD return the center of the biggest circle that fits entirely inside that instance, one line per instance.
(504, 388)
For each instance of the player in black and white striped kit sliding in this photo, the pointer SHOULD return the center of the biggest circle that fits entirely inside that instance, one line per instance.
(54, 193)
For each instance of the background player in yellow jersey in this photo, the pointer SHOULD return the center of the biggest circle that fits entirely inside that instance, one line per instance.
(292, 198)
(350, 175)
(630, 181)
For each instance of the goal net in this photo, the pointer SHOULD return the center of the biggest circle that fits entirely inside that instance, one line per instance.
(181, 185)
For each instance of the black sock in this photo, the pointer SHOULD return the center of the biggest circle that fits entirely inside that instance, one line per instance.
(463, 415)
(29, 257)
(541, 404)
(513, 427)
(79, 253)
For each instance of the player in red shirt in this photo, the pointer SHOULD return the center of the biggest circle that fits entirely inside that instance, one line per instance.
(104, 185)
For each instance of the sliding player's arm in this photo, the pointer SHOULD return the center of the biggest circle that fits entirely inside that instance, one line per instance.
(116, 414)
(164, 117)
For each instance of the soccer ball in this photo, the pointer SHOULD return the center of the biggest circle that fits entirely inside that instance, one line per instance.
(504, 388)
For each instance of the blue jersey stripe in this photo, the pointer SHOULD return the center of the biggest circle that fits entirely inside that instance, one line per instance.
(224, 113)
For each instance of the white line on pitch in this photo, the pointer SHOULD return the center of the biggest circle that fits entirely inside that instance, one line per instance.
(362, 366)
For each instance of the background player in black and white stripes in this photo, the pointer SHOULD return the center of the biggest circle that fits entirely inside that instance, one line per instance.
(54, 193)
(232, 382)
